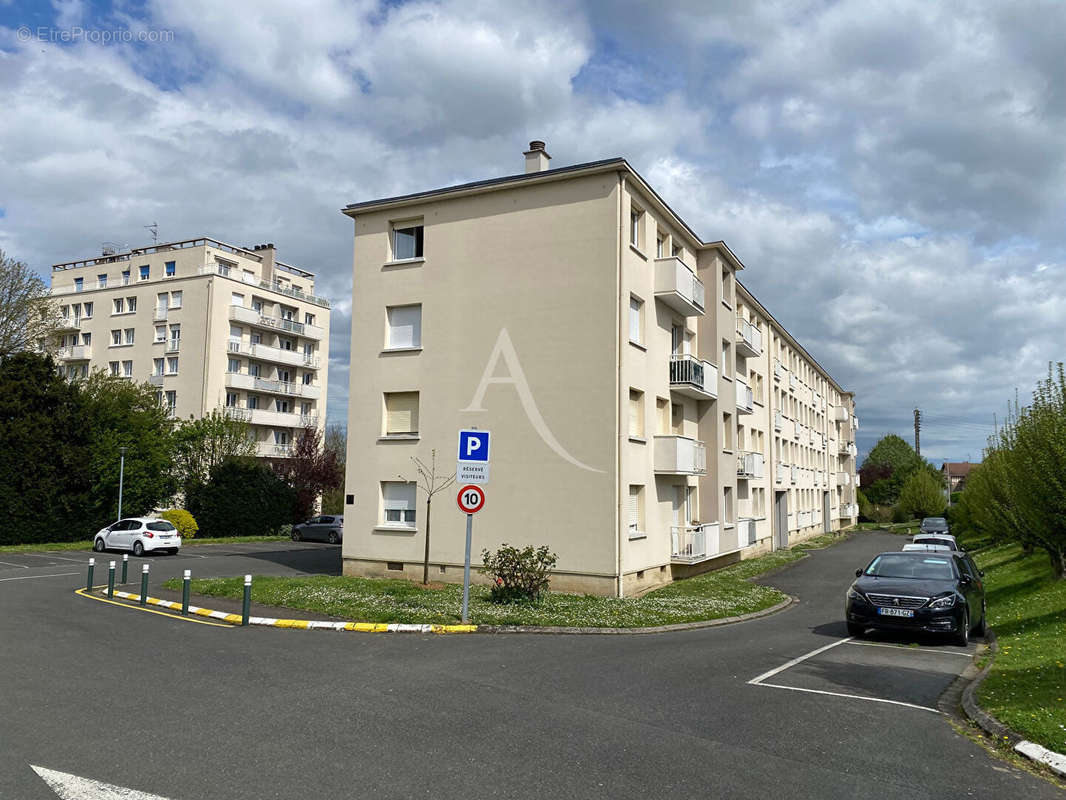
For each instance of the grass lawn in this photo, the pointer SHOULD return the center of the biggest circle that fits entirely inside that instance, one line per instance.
(891, 527)
(1026, 689)
(86, 544)
(713, 595)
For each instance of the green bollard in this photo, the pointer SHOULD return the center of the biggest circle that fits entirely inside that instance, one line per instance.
(125, 563)
(144, 585)
(185, 591)
(89, 580)
(111, 580)
(246, 610)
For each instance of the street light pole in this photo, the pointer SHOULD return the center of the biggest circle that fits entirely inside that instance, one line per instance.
(121, 476)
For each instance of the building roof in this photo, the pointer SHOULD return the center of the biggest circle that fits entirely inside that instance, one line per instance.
(959, 469)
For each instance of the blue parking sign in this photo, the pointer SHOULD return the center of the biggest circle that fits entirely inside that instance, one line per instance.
(474, 446)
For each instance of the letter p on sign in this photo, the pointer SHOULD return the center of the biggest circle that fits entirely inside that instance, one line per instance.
(474, 446)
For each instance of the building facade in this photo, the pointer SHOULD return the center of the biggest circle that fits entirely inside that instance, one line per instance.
(211, 325)
(650, 418)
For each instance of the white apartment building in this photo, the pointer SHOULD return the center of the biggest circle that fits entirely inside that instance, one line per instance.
(211, 325)
(650, 418)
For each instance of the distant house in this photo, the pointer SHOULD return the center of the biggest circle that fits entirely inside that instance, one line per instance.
(955, 473)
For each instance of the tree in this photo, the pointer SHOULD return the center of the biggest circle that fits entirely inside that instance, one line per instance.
(887, 467)
(45, 480)
(922, 495)
(202, 444)
(28, 314)
(311, 471)
(241, 498)
(121, 413)
(430, 483)
(336, 443)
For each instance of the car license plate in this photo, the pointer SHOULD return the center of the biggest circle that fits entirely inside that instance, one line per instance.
(895, 612)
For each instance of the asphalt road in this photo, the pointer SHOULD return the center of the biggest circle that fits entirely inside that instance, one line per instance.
(185, 710)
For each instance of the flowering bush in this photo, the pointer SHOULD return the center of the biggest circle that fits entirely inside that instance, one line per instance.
(519, 576)
(183, 521)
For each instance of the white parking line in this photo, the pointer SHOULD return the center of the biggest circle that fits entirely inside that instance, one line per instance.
(10, 564)
(795, 661)
(32, 577)
(851, 696)
(58, 558)
(910, 649)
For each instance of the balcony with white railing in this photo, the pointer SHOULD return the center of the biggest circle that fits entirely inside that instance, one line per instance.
(237, 380)
(76, 352)
(793, 381)
(272, 450)
(797, 428)
(278, 355)
(679, 455)
(795, 473)
(690, 544)
(750, 465)
(678, 287)
(840, 414)
(250, 316)
(749, 339)
(172, 345)
(274, 419)
(156, 379)
(288, 291)
(804, 519)
(779, 421)
(782, 473)
(843, 478)
(69, 324)
(693, 377)
(780, 373)
(746, 532)
(745, 399)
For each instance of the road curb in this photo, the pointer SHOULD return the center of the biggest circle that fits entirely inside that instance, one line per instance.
(404, 627)
(1039, 754)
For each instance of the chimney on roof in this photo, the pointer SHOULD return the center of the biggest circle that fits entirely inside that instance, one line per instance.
(537, 157)
(268, 254)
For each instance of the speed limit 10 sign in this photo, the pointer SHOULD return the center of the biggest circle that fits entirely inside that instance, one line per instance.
(471, 499)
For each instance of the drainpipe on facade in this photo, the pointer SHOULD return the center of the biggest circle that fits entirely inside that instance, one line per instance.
(618, 387)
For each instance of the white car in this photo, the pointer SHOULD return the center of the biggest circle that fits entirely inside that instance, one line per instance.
(926, 548)
(139, 534)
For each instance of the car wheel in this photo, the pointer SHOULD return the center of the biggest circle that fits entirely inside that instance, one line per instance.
(296, 535)
(981, 627)
(856, 630)
(99, 545)
(333, 538)
(138, 549)
(962, 637)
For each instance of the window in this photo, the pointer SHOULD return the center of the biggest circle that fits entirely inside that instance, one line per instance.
(86, 339)
(636, 414)
(727, 431)
(636, 227)
(724, 366)
(172, 365)
(231, 399)
(157, 366)
(131, 304)
(168, 269)
(116, 338)
(129, 335)
(636, 320)
(125, 277)
(404, 327)
(248, 276)
(677, 419)
(142, 273)
(236, 299)
(79, 284)
(101, 281)
(662, 416)
(287, 344)
(401, 413)
(255, 370)
(283, 406)
(257, 305)
(88, 309)
(728, 513)
(120, 306)
(309, 319)
(727, 286)
(160, 333)
(175, 333)
(281, 438)
(660, 243)
(253, 401)
(677, 251)
(398, 504)
(127, 369)
(172, 402)
(636, 511)
(234, 365)
(308, 377)
(407, 242)
(175, 299)
(113, 366)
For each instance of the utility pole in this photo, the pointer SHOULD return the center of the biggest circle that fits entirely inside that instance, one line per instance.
(917, 431)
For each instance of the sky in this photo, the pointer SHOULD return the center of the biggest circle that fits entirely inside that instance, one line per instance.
(890, 173)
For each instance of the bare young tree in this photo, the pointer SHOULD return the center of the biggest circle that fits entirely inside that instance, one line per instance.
(430, 483)
(28, 315)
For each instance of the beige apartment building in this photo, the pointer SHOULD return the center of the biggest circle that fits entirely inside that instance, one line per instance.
(211, 325)
(649, 417)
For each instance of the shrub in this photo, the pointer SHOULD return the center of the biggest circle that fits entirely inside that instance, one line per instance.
(899, 514)
(922, 495)
(241, 498)
(519, 576)
(183, 521)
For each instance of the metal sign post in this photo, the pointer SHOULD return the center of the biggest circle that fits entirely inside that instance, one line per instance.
(470, 499)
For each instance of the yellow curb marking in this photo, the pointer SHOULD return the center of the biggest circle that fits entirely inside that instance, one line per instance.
(83, 593)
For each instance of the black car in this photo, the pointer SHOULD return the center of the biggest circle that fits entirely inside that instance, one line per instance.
(934, 525)
(939, 592)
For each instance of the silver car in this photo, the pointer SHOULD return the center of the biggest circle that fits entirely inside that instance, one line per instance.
(323, 528)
